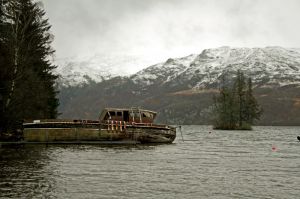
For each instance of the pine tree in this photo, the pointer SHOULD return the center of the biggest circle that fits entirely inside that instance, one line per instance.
(252, 109)
(236, 107)
(224, 109)
(240, 91)
(4, 63)
(29, 91)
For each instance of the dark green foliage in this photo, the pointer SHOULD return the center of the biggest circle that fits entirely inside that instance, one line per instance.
(252, 110)
(225, 116)
(27, 82)
(236, 107)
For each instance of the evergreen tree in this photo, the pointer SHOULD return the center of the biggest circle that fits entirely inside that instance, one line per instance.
(236, 107)
(4, 63)
(252, 109)
(28, 81)
(240, 90)
(224, 109)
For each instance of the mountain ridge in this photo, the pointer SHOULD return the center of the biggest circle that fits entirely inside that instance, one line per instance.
(74, 71)
(211, 63)
(181, 89)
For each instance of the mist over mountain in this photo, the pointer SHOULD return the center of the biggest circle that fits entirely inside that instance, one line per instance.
(76, 71)
(181, 89)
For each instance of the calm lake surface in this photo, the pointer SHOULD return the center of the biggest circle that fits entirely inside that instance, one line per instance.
(263, 163)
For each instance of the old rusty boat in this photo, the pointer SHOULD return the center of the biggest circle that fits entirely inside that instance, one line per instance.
(115, 125)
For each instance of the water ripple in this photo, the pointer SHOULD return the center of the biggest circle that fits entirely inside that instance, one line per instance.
(220, 164)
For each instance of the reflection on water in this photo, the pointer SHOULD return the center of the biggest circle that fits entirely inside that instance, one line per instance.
(264, 163)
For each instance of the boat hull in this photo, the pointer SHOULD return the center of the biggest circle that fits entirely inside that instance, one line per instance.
(128, 134)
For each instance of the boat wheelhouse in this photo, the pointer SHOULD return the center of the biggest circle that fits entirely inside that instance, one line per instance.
(132, 115)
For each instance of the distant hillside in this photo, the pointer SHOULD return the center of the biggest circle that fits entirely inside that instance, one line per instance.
(181, 89)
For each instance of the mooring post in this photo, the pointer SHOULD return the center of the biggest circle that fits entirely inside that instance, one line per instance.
(181, 133)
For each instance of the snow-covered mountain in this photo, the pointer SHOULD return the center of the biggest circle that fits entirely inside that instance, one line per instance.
(77, 71)
(270, 66)
(182, 89)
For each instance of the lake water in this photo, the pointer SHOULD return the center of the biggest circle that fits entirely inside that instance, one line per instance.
(263, 163)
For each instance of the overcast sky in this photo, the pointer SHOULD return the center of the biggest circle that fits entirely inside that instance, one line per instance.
(154, 30)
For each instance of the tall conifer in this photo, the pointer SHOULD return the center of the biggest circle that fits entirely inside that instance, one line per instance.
(252, 109)
(28, 80)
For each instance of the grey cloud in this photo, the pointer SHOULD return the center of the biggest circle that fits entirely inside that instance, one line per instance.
(170, 27)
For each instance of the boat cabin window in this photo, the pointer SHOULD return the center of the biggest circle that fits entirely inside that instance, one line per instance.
(114, 115)
(130, 116)
(147, 117)
(126, 116)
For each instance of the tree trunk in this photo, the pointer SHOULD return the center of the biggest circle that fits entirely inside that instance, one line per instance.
(15, 32)
(13, 83)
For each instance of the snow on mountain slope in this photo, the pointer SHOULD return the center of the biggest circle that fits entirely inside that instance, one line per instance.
(77, 71)
(163, 72)
(270, 66)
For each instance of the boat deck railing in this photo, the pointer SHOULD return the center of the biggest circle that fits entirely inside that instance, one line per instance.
(111, 124)
(107, 124)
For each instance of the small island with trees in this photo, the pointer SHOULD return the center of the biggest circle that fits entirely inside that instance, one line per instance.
(235, 108)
